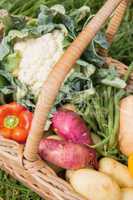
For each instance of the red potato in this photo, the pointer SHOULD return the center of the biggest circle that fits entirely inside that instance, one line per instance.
(67, 155)
(70, 126)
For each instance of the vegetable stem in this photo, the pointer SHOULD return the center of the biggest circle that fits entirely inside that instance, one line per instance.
(129, 71)
(113, 138)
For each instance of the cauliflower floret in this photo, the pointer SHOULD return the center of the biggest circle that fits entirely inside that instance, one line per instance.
(39, 55)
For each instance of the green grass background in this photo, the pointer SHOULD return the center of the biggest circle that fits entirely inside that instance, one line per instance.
(122, 49)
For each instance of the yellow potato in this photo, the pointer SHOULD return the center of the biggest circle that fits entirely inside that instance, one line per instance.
(117, 171)
(94, 185)
(126, 126)
(127, 194)
(69, 174)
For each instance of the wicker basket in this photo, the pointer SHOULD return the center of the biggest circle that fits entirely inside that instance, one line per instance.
(23, 162)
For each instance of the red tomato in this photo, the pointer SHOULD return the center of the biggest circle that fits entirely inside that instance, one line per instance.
(15, 108)
(10, 109)
(19, 135)
(25, 119)
(15, 121)
(5, 132)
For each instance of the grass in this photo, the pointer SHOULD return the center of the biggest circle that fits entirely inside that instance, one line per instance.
(121, 49)
(11, 189)
(30, 7)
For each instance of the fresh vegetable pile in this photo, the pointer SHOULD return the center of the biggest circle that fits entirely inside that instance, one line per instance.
(93, 112)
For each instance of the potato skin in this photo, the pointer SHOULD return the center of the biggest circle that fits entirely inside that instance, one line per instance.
(69, 174)
(117, 171)
(127, 194)
(71, 126)
(67, 155)
(94, 185)
(126, 126)
(54, 167)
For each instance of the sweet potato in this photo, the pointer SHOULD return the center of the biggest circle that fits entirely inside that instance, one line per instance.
(71, 127)
(66, 154)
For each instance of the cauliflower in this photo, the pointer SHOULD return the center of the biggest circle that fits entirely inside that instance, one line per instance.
(39, 55)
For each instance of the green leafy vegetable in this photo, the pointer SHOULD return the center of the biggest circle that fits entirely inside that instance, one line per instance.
(12, 22)
(12, 62)
(6, 44)
(11, 89)
(4, 49)
(77, 83)
(114, 83)
(110, 77)
(102, 111)
(49, 19)
(3, 81)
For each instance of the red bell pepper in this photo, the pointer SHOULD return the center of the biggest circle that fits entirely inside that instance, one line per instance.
(15, 121)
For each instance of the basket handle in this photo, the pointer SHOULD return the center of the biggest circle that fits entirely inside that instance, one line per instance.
(116, 20)
(56, 77)
(114, 24)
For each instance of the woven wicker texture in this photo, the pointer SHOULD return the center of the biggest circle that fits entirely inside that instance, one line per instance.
(116, 20)
(114, 24)
(22, 162)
